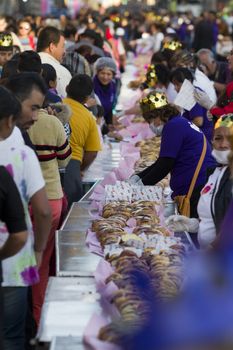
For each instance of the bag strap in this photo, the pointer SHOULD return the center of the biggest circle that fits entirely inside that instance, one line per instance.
(198, 168)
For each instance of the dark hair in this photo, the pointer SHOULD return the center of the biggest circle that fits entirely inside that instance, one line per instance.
(48, 73)
(93, 58)
(24, 20)
(22, 84)
(164, 113)
(47, 36)
(29, 61)
(163, 74)
(168, 54)
(84, 50)
(80, 87)
(157, 25)
(180, 74)
(9, 105)
(69, 31)
(96, 37)
(158, 58)
(9, 68)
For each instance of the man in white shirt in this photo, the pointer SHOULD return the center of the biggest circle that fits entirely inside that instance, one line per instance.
(51, 48)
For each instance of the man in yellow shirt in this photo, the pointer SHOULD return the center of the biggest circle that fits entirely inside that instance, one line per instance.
(84, 139)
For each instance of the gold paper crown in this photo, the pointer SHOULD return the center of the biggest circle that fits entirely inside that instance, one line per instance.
(153, 101)
(151, 76)
(225, 120)
(172, 45)
(6, 40)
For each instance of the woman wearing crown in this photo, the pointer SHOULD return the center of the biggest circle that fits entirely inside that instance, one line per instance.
(182, 147)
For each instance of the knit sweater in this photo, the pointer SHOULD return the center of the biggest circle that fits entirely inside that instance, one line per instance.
(49, 138)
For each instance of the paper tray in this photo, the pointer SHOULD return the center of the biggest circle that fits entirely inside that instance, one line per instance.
(78, 217)
(69, 304)
(73, 257)
(68, 343)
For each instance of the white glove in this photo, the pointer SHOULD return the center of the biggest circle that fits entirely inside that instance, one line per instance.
(135, 180)
(203, 99)
(179, 223)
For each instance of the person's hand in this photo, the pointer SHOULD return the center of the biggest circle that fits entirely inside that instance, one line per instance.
(91, 102)
(38, 256)
(51, 111)
(135, 180)
(111, 127)
(203, 99)
(179, 223)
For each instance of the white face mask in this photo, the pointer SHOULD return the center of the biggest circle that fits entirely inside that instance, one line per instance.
(221, 156)
(157, 130)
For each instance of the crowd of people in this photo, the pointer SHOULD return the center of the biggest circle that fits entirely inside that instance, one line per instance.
(58, 92)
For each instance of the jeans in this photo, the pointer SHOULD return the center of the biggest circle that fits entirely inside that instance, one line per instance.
(14, 315)
(73, 182)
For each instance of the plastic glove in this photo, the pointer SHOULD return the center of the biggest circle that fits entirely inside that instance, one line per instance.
(179, 223)
(203, 99)
(135, 180)
(139, 183)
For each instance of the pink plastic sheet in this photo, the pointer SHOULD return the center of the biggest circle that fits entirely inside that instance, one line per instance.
(103, 271)
(131, 161)
(132, 222)
(124, 133)
(127, 148)
(96, 205)
(97, 196)
(91, 333)
(110, 179)
(124, 171)
(109, 290)
(93, 244)
(131, 99)
(126, 120)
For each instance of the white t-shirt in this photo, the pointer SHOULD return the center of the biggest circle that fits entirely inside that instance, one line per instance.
(63, 75)
(157, 41)
(21, 162)
(207, 230)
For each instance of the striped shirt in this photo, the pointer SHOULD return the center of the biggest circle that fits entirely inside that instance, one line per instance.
(49, 137)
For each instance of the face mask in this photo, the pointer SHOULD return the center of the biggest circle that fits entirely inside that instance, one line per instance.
(157, 130)
(221, 156)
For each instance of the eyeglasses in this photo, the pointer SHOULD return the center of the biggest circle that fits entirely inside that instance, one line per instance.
(26, 28)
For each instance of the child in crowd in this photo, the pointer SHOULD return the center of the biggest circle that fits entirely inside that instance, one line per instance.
(50, 77)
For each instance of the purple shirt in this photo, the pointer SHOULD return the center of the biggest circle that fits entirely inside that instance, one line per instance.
(199, 111)
(183, 141)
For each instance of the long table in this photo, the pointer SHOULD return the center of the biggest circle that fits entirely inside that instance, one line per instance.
(71, 298)
(105, 161)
